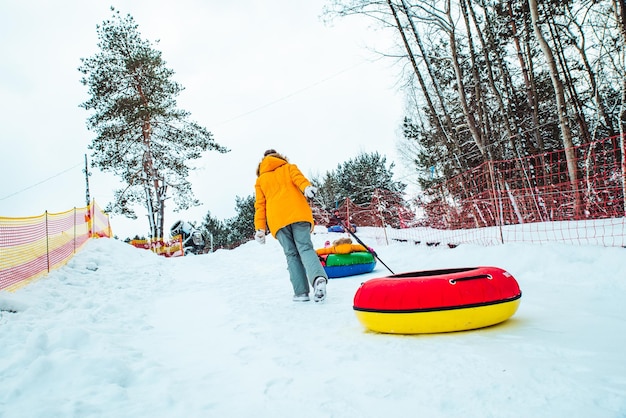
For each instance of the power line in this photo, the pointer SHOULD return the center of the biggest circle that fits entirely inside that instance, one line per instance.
(310, 86)
(41, 182)
(280, 99)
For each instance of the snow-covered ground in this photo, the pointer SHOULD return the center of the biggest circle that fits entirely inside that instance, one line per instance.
(120, 332)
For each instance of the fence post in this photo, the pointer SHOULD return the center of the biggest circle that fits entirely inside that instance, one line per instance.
(496, 199)
(74, 229)
(92, 213)
(623, 164)
(47, 243)
(380, 214)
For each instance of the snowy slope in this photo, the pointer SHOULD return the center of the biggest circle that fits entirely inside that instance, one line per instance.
(120, 332)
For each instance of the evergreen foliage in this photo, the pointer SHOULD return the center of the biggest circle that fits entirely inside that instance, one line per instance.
(141, 135)
(241, 226)
(214, 231)
(357, 179)
(234, 231)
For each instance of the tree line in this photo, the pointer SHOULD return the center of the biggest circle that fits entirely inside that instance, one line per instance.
(356, 179)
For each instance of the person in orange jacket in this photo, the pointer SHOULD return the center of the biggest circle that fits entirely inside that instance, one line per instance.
(281, 193)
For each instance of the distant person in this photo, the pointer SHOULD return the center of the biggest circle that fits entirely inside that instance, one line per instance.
(337, 224)
(281, 193)
(334, 220)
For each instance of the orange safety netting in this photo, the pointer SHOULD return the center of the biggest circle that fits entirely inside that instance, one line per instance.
(33, 246)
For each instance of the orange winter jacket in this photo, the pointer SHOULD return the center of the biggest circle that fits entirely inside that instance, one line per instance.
(279, 195)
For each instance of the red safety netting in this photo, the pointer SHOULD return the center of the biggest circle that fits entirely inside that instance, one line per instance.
(530, 199)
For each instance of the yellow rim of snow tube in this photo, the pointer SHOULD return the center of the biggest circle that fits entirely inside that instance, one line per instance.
(435, 321)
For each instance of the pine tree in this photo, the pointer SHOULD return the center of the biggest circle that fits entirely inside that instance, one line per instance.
(241, 227)
(364, 180)
(358, 179)
(141, 136)
(214, 231)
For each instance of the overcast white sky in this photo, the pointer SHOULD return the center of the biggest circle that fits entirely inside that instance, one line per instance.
(258, 74)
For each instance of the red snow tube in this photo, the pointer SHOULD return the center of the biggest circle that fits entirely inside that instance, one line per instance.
(437, 300)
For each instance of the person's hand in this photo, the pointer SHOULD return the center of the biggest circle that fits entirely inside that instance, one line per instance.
(310, 191)
(260, 236)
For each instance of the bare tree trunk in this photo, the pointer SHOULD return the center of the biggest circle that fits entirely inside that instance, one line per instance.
(530, 91)
(569, 84)
(581, 48)
(456, 65)
(416, 70)
(447, 131)
(149, 201)
(566, 135)
(155, 198)
(480, 113)
(504, 110)
(470, 117)
(151, 184)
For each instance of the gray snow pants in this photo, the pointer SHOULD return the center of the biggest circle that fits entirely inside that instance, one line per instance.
(302, 260)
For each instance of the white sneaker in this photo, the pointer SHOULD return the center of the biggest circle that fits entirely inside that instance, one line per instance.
(304, 297)
(319, 289)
